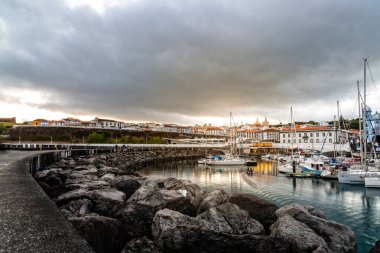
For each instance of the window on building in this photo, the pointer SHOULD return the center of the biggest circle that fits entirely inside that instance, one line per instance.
(317, 141)
(305, 134)
(330, 134)
(299, 135)
(311, 140)
(305, 141)
(294, 135)
(283, 141)
(330, 140)
(289, 141)
(317, 134)
(299, 141)
(323, 134)
(288, 135)
(311, 134)
(283, 135)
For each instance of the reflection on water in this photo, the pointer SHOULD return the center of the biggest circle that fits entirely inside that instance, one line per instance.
(352, 205)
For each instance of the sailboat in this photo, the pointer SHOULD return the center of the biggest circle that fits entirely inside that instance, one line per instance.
(287, 166)
(357, 174)
(231, 158)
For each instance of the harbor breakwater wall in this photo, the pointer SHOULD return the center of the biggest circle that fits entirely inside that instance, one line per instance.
(117, 210)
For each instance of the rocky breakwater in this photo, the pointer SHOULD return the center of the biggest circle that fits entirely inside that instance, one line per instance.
(116, 210)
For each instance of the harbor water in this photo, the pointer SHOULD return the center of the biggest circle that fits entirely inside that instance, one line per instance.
(354, 206)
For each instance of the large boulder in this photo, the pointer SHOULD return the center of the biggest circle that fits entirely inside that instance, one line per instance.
(189, 189)
(162, 198)
(52, 183)
(104, 234)
(128, 186)
(107, 201)
(336, 237)
(229, 218)
(300, 237)
(73, 195)
(259, 209)
(137, 219)
(213, 199)
(140, 245)
(176, 232)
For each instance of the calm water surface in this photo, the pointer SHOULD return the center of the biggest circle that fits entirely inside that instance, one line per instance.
(354, 206)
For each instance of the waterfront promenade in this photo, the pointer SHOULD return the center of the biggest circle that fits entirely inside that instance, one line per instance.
(29, 220)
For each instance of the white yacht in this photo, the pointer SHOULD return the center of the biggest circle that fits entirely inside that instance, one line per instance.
(372, 179)
(227, 160)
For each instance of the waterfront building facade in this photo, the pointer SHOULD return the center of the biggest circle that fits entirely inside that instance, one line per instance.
(323, 138)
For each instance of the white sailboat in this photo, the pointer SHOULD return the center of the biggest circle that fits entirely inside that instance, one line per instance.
(287, 165)
(356, 175)
(229, 159)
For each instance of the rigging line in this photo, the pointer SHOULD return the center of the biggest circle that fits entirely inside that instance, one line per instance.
(373, 82)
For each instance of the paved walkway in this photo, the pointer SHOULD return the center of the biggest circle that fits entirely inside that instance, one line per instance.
(29, 219)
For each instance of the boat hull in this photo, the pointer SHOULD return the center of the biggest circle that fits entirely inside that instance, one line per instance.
(351, 177)
(226, 163)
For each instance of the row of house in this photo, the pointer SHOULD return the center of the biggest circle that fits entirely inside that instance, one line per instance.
(113, 124)
(297, 135)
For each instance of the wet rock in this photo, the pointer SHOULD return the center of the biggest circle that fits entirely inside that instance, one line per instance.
(160, 199)
(300, 237)
(375, 248)
(137, 219)
(79, 207)
(52, 184)
(85, 167)
(140, 245)
(337, 237)
(257, 208)
(109, 177)
(128, 186)
(229, 218)
(191, 190)
(175, 232)
(213, 199)
(104, 234)
(107, 201)
(73, 195)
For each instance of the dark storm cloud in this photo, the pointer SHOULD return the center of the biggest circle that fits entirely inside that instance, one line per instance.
(164, 60)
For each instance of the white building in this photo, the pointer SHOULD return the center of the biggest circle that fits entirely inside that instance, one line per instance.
(314, 138)
(108, 123)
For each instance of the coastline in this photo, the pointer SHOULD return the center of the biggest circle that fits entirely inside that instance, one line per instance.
(103, 195)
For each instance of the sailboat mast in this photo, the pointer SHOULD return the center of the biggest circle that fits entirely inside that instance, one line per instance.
(291, 128)
(365, 115)
(360, 126)
(335, 141)
(339, 130)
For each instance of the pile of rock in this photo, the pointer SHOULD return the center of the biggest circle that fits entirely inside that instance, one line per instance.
(117, 210)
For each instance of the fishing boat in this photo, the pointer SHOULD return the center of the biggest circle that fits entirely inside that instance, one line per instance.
(314, 165)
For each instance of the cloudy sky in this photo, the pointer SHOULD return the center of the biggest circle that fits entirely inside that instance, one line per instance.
(186, 61)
